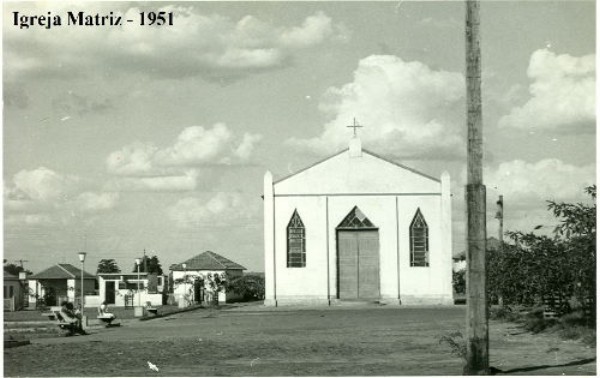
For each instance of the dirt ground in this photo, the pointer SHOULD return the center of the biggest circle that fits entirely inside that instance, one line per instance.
(258, 341)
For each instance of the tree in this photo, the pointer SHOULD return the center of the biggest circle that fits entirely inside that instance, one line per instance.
(562, 266)
(577, 229)
(152, 263)
(15, 269)
(108, 266)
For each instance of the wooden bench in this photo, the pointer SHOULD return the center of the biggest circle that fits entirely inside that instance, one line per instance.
(54, 314)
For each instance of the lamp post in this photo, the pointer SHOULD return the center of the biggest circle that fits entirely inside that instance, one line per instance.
(138, 261)
(82, 259)
(184, 265)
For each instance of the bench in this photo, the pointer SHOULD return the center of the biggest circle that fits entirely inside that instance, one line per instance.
(108, 320)
(151, 309)
(54, 314)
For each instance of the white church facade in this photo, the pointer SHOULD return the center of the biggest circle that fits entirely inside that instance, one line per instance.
(357, 227)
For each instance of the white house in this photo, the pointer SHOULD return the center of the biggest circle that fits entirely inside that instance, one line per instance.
(357, 226)
(15, 290)
(62, 282)
(125, 289)
(191, 281)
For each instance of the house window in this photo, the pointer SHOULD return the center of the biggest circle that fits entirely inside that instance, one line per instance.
(296, 242)
(131, 285)
(11, 291)
(419, 241)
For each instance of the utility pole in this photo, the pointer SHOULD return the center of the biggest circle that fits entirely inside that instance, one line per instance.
(477, 312)
(145, 262)
(500, 217)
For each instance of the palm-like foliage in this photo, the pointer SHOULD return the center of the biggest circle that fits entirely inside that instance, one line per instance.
(108, 266)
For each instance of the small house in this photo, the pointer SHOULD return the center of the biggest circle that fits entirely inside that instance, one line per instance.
(193, 279)
(60, 282)
(129, 289)
(14, 292)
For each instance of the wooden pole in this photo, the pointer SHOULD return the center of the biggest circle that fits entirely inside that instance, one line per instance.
(500, 216)
(477, 313)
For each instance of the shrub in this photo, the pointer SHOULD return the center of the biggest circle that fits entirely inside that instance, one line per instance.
(456, 342)
(250, 287)
(459, 281)
(555, 268)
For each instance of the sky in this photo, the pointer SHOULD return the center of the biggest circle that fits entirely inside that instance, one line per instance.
(122, 139)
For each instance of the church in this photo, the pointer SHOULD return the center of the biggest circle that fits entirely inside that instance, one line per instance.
(357, 227)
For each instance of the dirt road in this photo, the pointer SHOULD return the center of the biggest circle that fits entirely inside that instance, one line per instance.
(252, 341)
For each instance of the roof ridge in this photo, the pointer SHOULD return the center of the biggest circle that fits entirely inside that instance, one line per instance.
(211, 253)
(61, 267)
(310, 166)
(400, 165)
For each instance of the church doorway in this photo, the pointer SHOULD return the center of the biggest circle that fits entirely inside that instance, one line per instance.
(357, 257)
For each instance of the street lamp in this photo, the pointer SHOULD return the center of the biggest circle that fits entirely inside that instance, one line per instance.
(184, 265)
(138, 261)
(82, 259)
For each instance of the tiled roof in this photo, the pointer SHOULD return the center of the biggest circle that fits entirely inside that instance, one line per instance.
(61, 271)
(208, 261)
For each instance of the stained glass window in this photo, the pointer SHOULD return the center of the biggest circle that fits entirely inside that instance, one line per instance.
(296, 242)
(419, 241)
(356, 219)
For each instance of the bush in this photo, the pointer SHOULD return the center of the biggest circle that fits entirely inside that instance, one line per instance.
(459, 281)
(50, 297)
(456, 342)
(556, 268)
(249, 287)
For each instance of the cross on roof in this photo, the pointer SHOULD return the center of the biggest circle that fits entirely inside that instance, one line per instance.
(354, 126)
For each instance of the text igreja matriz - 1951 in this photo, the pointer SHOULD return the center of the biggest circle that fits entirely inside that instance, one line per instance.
(80, 18)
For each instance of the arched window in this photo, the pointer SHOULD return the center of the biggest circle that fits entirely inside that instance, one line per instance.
(296, 242)
(419, 241)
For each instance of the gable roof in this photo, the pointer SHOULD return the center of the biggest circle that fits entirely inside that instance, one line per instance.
(61, 271)
(208, 261)
(364, 151)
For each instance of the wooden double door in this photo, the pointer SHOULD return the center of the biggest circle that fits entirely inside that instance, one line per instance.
(358, 264)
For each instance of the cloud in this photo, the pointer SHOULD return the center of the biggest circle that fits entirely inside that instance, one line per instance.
(408, 110)
(562, 94)
(42, 184)
(246, 147)
(314, 30)
(133, 159)
(92, 201)
(187, 181)
(545, 179)
(195, 146)
(208, 45)
(223, 208)
(43, 196)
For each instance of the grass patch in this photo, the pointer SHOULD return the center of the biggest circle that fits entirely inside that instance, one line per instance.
(571, 326)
